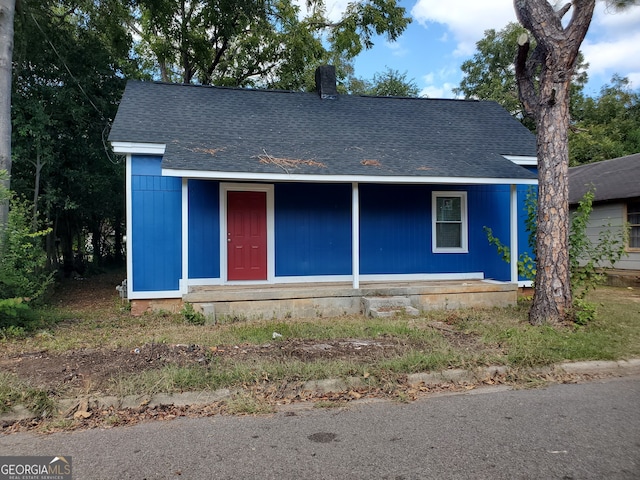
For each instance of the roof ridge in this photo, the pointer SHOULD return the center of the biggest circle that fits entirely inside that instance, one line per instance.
(216, 87)
(276, 90)
(630, 157)
(394, 97)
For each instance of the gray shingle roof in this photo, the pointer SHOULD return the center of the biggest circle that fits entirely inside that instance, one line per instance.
(259, 131)
(612, 179)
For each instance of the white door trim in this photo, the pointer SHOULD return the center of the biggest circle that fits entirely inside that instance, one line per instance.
(271, 253)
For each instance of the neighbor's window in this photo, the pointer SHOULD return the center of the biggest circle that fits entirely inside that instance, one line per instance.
(633, 218)
(449, 214)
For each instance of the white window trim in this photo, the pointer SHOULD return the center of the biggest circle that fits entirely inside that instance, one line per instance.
(464, 248)
(627, 224)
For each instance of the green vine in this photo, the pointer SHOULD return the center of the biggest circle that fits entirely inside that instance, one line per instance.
(586, 257)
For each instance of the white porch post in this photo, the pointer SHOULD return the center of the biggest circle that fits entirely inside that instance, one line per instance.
(514, 233)
(184, 282)
(129, 225)
(355, 234)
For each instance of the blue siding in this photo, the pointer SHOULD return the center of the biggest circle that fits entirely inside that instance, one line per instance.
(312, 229)
(204, 229)
(395, 231)
(156, 226)
(523, 233)
(489, 206)
(146, 165)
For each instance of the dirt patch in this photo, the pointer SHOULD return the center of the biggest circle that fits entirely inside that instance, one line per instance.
(92, 368)
(96, 292)
(90, 371)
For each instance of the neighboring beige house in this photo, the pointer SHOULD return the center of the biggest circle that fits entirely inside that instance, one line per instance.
(616, 184)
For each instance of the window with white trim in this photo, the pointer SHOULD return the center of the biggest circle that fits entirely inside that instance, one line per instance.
(633, 218)
(449, 222)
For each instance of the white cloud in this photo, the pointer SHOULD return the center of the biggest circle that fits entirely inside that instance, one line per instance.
(334, 8)
(619, 55)
(429, 78)
(612, 44)
(397, 48)
(438, 84)
(438, 91)
(634, 78)
(466, 20)
(616, 22)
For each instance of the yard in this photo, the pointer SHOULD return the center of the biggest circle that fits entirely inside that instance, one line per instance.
(89, 345)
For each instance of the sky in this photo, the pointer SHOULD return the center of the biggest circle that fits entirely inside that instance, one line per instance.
(443, 34)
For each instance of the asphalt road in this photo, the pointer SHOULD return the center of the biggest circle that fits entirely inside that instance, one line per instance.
(585, 431)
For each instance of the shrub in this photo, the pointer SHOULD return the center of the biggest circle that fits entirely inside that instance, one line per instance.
(585, 257)
(23, 274)
(192, 316)
(23, 271)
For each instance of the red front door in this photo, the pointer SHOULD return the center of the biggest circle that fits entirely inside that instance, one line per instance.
(246, 235)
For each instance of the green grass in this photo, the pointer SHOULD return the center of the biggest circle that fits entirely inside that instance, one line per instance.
(13, 392)
(433, 341)
(245, 403)
(229, 373)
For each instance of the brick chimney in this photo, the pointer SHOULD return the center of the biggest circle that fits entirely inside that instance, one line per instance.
(326, 82)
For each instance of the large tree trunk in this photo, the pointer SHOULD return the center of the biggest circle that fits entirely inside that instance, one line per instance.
(7, 11)
(544, 78)
(552, 297)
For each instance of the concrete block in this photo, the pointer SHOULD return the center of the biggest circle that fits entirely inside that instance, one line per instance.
(209, 312)
(388, 306)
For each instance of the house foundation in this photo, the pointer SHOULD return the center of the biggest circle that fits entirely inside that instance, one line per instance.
(230, 302)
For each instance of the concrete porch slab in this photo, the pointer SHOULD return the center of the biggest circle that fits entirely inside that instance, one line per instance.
(238, 302)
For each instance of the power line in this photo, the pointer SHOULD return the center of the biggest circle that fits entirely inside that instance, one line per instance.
(64, 63)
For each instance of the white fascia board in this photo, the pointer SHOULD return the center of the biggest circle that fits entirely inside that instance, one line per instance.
(522, 160)
(416, 277)
(139, 148)
(283, 177)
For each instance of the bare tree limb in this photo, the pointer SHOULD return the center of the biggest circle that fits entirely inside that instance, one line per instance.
(527, 90)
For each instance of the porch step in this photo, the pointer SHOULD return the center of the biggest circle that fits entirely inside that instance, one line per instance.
(388, 306)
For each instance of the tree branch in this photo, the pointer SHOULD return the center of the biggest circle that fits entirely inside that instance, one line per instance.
(539, 17)
(563, 11)
(578, 26)
(526, 92)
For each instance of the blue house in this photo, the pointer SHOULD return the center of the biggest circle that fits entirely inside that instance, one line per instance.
(230, 186)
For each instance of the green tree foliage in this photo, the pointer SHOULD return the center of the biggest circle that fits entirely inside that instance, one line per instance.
(607, 126)
(69, 63)
(602, 127)
(22, 264)
(390, 83)
(266, 43)
(490, 73)
(5, 193)
(586, 256)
